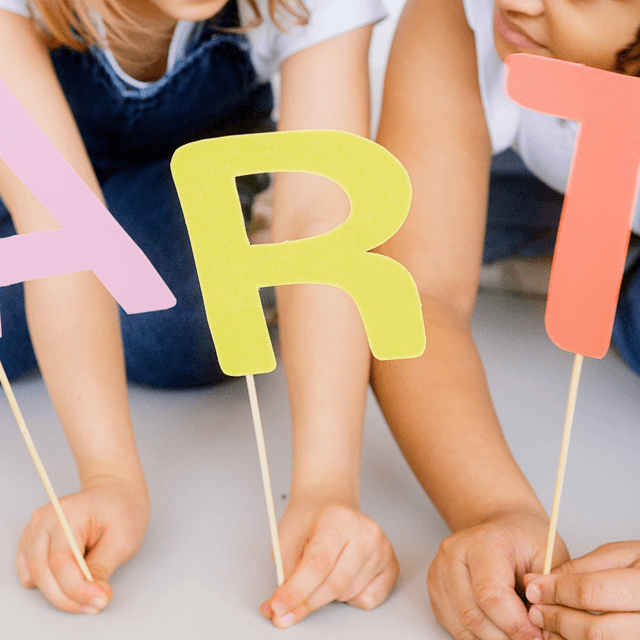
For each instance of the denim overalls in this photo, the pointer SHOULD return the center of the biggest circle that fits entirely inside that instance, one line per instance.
(130, 135)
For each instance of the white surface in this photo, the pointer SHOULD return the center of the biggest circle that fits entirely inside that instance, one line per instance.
(379, 52)
(205, 565)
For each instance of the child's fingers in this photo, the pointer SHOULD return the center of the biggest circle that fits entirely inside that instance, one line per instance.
(109, 518)
(336, 565)
(615, 555)
(378, 589)
(375, 580)
(455, 603)
(347, 558)
(68, 575)
(356, 570)
(493, 585)
(42, 577)
(472, 591)
(319, 559)
(105, 557)
(22, 567)
(570, 624)
(612, 590)
(352, 567)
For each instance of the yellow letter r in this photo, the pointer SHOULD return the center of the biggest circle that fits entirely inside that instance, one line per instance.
(231, 270)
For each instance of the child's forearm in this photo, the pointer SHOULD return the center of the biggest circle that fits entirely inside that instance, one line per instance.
(327, 363)
(74, 325)
(438, 405)
(73, 320)
(439, 409)
(75, 330)
(325, 351)
(330, 549)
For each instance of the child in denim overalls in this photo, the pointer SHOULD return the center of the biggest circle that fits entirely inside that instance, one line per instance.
(117, 116)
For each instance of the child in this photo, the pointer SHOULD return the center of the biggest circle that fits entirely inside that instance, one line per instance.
(160, 73)
(444, 113)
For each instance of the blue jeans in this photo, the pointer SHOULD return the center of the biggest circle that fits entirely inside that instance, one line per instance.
(523, 212)
(522, 220)
(130, 135)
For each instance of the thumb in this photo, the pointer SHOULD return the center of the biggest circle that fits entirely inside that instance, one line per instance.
(292, 540)
(103, 559)
(615, 555)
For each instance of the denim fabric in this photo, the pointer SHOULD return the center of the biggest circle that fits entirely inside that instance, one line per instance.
(626, 328)
(130, 135)
(523, 213)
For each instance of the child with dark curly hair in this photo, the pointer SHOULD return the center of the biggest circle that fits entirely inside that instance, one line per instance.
(444, 116)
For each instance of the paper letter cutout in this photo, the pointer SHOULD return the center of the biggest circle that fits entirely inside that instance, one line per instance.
(90, 238)
(231, 270)
(590, 253)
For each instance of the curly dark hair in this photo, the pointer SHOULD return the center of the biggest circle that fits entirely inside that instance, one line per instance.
(628, 60)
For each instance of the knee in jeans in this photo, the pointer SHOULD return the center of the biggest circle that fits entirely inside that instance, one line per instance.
(171, 357)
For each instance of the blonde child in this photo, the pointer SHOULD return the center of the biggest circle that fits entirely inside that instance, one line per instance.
(118, 86)
(444, 114)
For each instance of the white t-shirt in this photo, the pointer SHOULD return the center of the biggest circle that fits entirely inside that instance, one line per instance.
(545, 143)
(269, 46)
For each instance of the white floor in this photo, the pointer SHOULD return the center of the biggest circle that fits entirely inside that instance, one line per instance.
(205, 565)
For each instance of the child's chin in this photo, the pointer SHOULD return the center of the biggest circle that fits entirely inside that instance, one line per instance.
(503, 50)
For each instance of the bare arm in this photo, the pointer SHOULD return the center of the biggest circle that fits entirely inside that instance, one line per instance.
(323, 87)
(438, 406)
(327, 360)
(73, 320)
(433, 121)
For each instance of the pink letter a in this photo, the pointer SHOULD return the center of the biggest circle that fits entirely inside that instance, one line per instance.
(90, 238)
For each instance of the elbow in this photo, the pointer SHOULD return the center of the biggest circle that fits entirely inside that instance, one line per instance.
(452, 304)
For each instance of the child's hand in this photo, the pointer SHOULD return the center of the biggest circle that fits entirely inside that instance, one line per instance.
(108, 518)
(606, 580)
(331, 551)
(475, 578)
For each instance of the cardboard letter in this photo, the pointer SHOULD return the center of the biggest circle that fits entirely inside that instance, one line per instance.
(90, 238)
(590, 253)
(231, 270)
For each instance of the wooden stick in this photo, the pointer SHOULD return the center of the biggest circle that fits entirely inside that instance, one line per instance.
(266, 482)
(564, 450)
(43, 474)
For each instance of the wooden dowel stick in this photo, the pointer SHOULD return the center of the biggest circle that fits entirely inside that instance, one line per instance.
(564, 450)
(266, 482)
(43, 474)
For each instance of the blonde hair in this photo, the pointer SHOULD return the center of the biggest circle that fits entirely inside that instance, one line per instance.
(68, 22)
